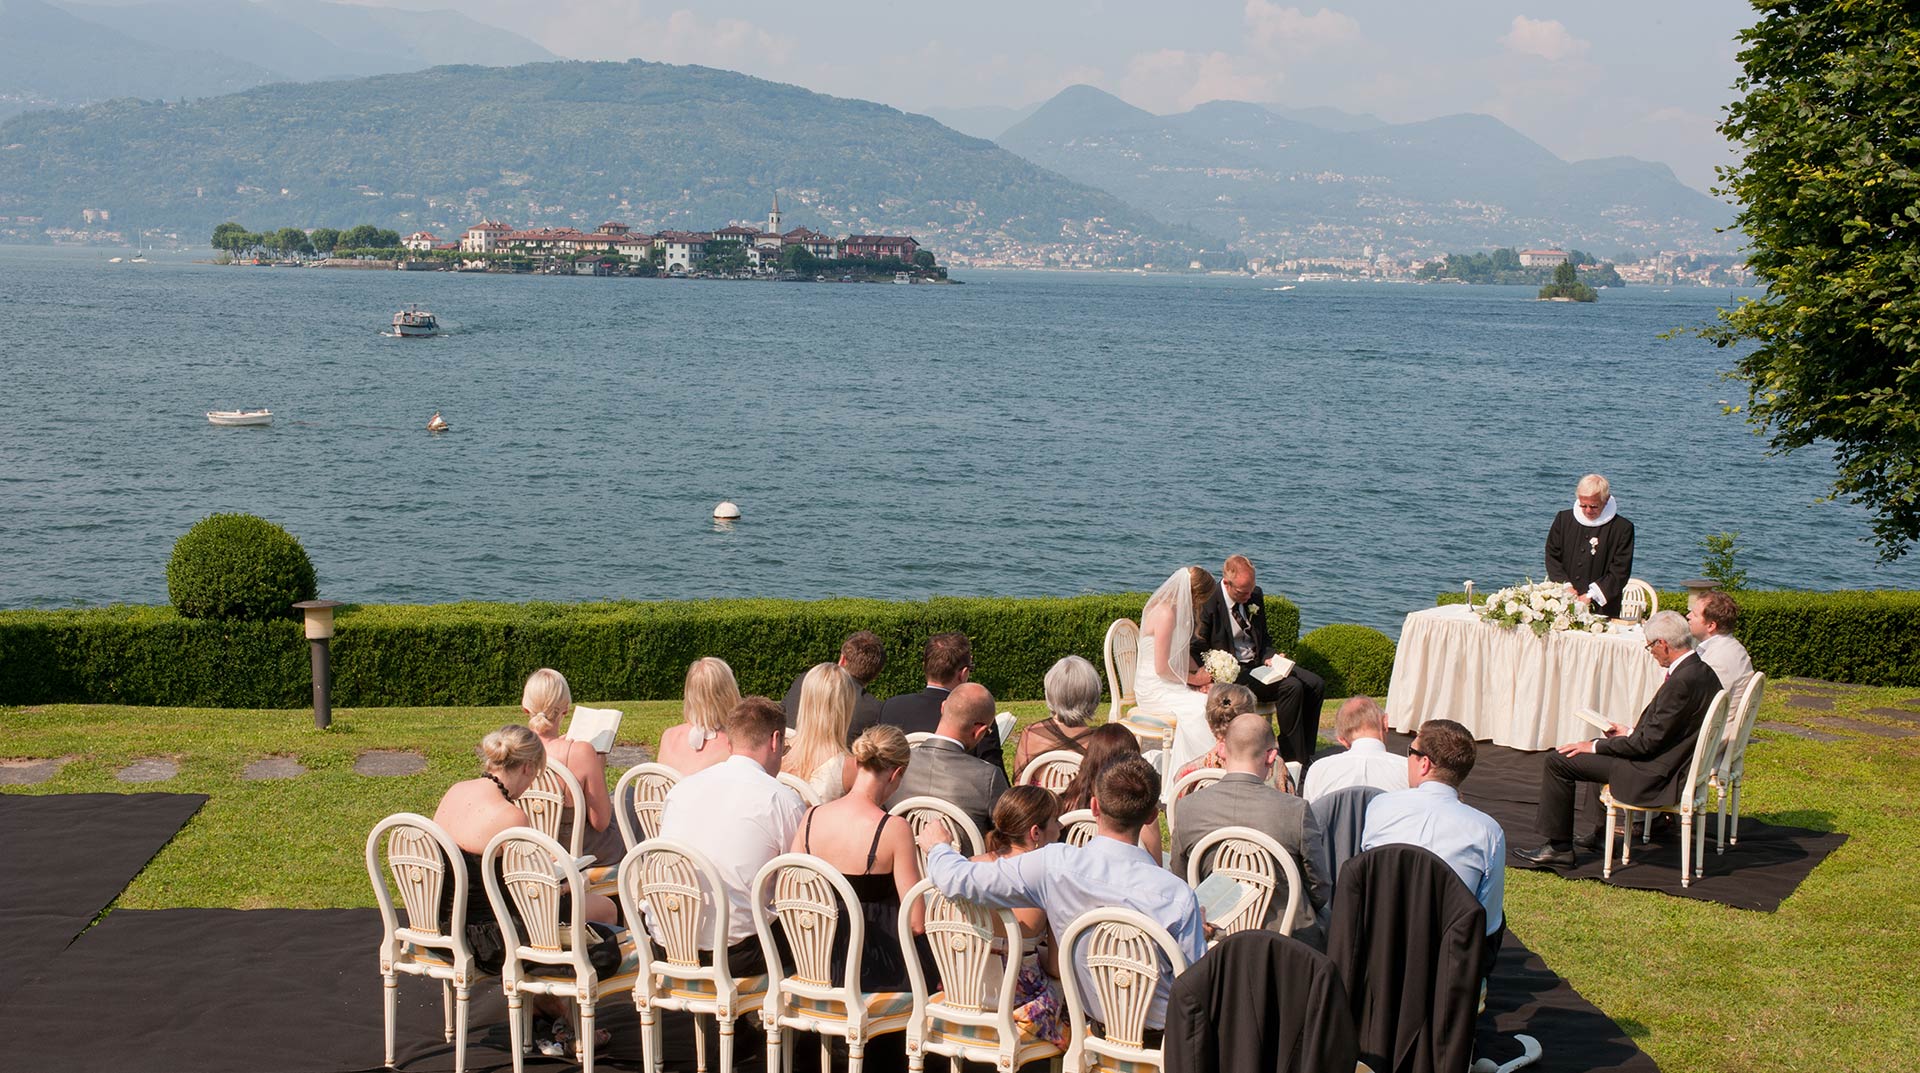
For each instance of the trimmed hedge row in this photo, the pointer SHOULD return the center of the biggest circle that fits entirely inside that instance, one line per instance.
(1354, 660)
(481, 653)
(1867, 637)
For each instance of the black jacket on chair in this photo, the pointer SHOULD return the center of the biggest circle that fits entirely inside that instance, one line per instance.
(1409, 939)
(1260, 1001)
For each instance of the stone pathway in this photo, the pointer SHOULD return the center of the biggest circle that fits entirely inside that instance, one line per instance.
(29, 772)
(626, 756)
(374, 763)
(385, 762)
(1813, 695)
(274, 767)
(151, 769)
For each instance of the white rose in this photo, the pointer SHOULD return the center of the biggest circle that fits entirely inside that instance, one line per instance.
(1561, 622)
(1513, 608)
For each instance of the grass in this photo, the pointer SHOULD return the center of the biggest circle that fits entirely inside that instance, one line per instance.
(1825, 982)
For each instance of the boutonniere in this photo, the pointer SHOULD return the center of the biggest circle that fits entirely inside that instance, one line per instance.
(1593, 545)
(1253, 609)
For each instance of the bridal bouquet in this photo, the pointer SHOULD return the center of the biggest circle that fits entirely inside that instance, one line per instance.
(1221, 664)
(1541, 607)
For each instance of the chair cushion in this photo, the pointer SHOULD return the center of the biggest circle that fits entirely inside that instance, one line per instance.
(428, 955)
(746, 986)
(1028, 1049)
(880, 1005)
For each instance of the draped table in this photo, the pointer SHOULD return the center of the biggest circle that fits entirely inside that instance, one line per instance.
(1514, 687)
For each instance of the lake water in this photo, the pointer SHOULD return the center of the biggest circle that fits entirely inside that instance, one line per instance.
(1025, 434)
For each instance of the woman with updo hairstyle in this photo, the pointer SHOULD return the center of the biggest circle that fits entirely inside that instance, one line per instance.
(817, 752)
(874, 850)
(1226, 701)
(1025, 819)
(547, 700)
(700, 741)
(1072, 690)
(1108, 743)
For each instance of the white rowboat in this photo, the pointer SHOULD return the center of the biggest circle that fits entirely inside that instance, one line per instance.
(240, 417)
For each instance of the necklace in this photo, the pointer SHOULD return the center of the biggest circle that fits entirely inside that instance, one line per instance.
(496, 781)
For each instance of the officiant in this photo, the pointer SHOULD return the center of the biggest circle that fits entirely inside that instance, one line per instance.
(1235, 620)
(1590, 547)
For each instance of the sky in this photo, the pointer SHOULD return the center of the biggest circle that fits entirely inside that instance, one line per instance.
(1643, 78)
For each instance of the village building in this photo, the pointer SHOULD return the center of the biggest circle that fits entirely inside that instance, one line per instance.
(1535, 258)
(880, 246)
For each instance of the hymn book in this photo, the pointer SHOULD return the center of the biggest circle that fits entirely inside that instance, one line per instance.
(1221, 896)
(1282, 666)
(595, 726)
(1592, 718)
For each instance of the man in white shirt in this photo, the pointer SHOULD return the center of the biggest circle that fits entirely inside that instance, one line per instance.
(1710, 618)
(1430, 814)
(741, 816)
(1361, 726)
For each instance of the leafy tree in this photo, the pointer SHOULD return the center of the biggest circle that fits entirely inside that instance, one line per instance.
(360, 237)
(1566, 284)
(227, 237)
(292, 240)
(1505, 260)
(1564, 274)
(798, 258)
(1830, 196)
(324, 239)
(385, 239)
(923, 259)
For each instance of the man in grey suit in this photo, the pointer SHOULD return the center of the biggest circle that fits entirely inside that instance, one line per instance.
(944, 766)
(1242, 798)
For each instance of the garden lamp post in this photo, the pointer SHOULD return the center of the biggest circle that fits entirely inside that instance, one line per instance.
(319, 620)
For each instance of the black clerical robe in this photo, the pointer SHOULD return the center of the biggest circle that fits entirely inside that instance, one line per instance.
(1584, 555)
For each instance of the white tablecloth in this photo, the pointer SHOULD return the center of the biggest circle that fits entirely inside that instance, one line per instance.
(1512, 686)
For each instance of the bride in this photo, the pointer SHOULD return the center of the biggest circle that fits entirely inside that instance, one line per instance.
(1169, 686)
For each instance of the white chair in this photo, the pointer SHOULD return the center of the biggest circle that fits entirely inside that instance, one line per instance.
(526, 872)
(800, 786)
(919, 810)
(423, 862)
(1638, 600)
(812, 901)
(1692, 803)
(1004, 723)
(552, 792)
(687, 898)
(1127, 955)
(1077, 827)
(1121, 651)
(1051, 770)
(1193, 780)
(1733, 759)
(971, 1017)
(638, 799)
(918, 736)
(1254, 858)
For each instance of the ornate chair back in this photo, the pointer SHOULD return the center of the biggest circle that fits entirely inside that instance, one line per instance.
(1077, 827)
(972, 1018)
(800, 786)
(1126, 955)
(546, 801)
(1692, 803)
(919, 810)
(1638, 600)
(1196, 779)
(1051, 770)
(1254, 858)
(918, 736)
(422, 862)
(1122, 656)
(638, 799)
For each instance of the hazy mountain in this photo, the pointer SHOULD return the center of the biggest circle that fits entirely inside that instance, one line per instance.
(1328, 118)
(987, 121)
(654, 145)
(76, 53)
(1281, 182)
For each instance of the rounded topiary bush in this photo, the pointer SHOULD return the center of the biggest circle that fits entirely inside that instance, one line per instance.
(238, 566)
(1355, 660)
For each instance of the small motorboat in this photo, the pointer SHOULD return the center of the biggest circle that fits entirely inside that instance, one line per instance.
(414, 321)
(436, 423)
(240, 417)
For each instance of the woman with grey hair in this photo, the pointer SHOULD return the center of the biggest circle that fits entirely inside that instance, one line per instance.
(1072, 689)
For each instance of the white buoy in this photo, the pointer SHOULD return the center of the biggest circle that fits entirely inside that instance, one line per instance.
(727, 511)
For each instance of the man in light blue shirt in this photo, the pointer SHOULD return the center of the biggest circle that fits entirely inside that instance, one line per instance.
(1431, 815)
(1067, 881)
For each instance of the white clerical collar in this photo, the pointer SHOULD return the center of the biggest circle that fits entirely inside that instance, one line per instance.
(1606, 513)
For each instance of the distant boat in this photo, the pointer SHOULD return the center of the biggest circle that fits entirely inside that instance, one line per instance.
(903, 277)
(414, 321)
(436, 423)
(115, 260)
(240, 417)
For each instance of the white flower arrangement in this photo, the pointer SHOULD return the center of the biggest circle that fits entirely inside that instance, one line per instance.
(1540, 606)
(1221, 664)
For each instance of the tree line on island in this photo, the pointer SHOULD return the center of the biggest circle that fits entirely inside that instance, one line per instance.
(239, 242)
(1503, 266)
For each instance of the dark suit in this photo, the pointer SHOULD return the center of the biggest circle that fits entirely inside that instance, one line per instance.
(1296, 699)
(941, 768)
(1642, 767)
(915, 712)
(866, 708)
(1582, 555)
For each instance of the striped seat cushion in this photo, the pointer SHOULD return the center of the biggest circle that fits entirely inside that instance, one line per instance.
(747, 986)
(1029, 1048)
(881, 1005)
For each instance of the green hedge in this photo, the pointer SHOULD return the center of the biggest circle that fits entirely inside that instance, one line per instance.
(1354, 660)
(481, 653)
(1869, 637)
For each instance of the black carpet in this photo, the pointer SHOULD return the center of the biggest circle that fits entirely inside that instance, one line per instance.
(67, 857)
(1526, 997)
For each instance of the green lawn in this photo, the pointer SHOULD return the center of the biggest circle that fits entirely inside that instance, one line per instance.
(1825, 983)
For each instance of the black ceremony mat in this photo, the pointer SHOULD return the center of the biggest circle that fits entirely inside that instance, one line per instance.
(1765, 868)
(1526, 997)
(65, 858)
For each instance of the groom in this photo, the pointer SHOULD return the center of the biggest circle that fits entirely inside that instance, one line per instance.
(1235, 620)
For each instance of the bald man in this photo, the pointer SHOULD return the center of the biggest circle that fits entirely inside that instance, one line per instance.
(944, 765)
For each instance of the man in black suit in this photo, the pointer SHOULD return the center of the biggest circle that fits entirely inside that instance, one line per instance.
(942, 767)
(948, 664)
(862, 656)
(1235, 620)
(1590, 547)
(1643, 764)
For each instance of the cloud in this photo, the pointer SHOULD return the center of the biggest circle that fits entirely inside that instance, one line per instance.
(1291, 31)
(1545, 38)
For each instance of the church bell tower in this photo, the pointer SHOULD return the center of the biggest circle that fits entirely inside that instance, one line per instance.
(773, 216)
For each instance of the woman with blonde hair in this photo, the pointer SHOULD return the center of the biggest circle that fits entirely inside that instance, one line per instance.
(546, 700)
(699, 742)
(818, 752)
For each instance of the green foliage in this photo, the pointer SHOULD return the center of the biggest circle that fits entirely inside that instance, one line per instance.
(797, 258)
(475, 653)
(1868, 637)
(238, 566)
(1355, 660)
(324, 239)
(1829, 191)
(1503, 266)
(923, 259)
(1571, 288)
(1719, 564)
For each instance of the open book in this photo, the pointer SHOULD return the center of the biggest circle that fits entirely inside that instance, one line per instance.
(595, 726)
(582, 863)
(1221, 896)
(1282, 666)
(1593, 718)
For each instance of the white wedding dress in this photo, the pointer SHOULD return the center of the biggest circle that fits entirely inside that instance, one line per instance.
(1167, 698)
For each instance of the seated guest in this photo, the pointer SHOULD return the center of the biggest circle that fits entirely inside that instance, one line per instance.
(1431, 815)
(1072, 690)
(1231, 617)
(819, 750)
(863, 656)
(1107, 744)
(1225, 702)
(948, 663)
(546, 700)
(1710, 618)
(874, 850)
(1242, 798)
(1643, 763)
(944, 766)
(700, 741)
(1026, 819)
(1590, 547)
(741, 817)
(1066, 881)
(1361, 726)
